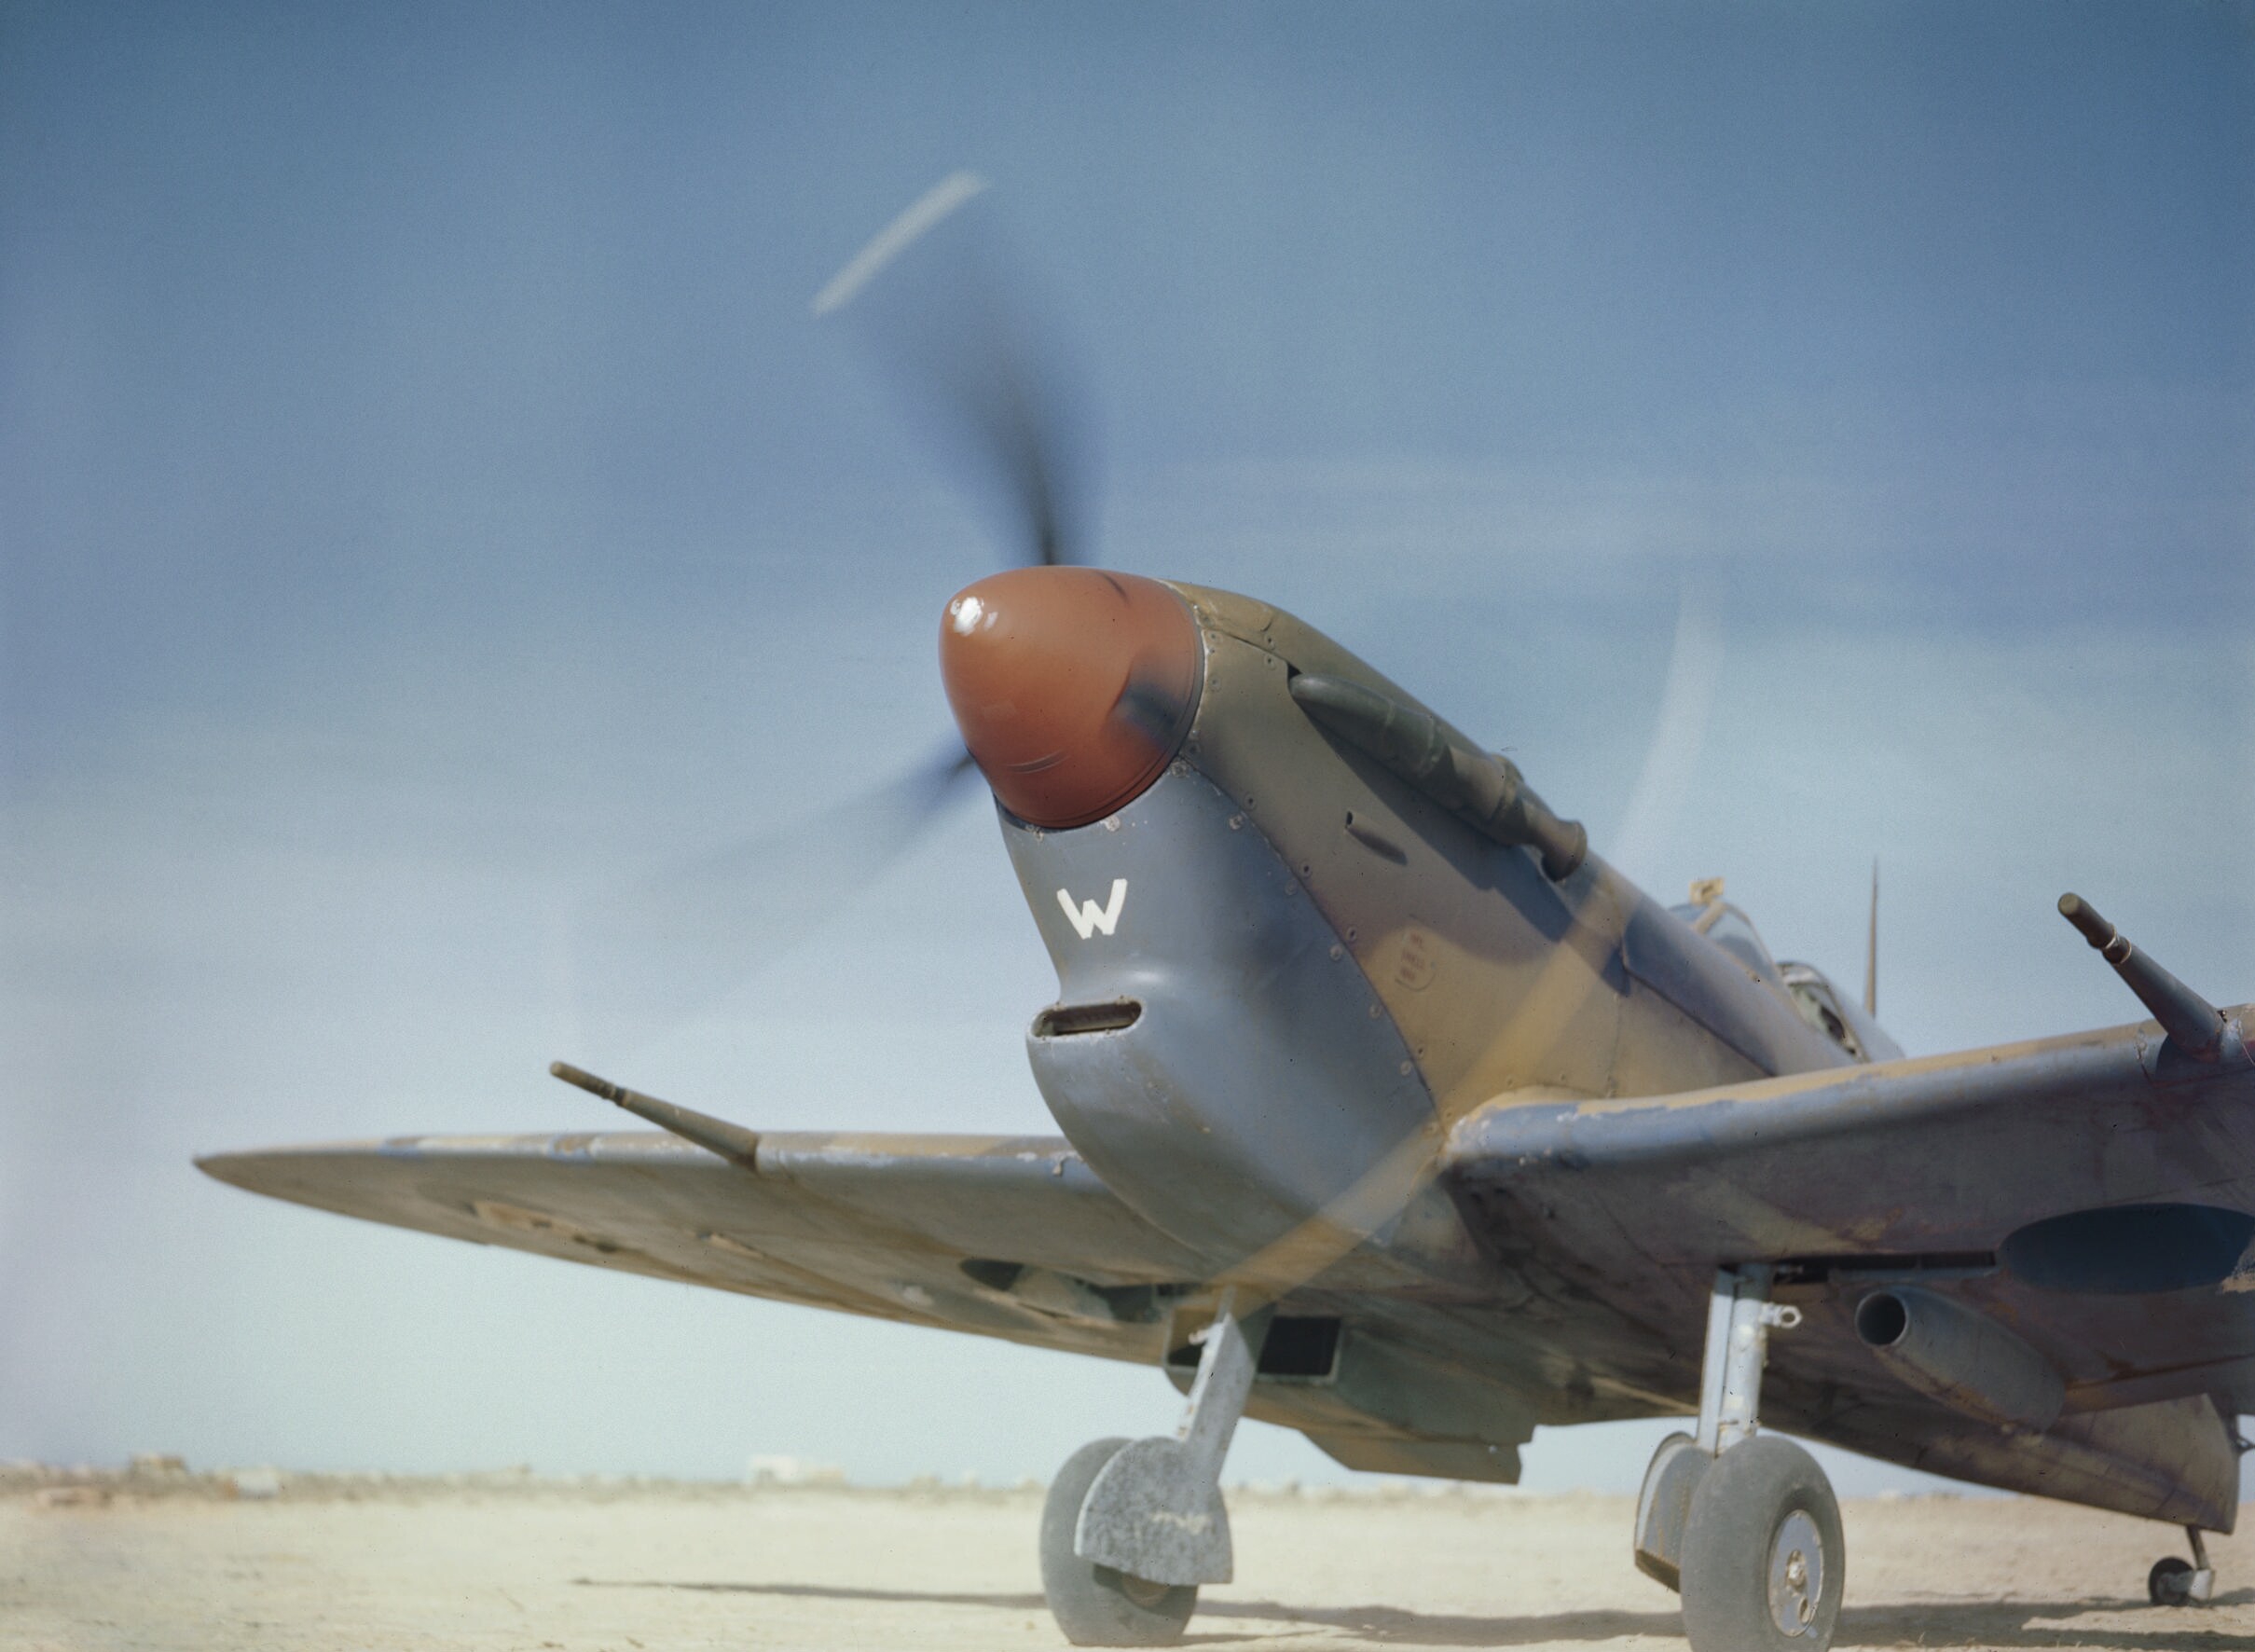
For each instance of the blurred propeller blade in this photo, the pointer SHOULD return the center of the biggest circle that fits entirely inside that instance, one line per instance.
(929, 297)
(655, 953)
(1671, 755)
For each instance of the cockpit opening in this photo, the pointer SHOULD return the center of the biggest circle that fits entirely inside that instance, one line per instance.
(1805, 986)
(1813, 995)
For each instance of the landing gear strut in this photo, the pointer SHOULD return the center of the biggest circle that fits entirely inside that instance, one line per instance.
(2175, 1581)
(1742, 1525)
(1130, 1528)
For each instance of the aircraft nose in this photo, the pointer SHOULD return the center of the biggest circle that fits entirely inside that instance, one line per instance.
(1072, 686)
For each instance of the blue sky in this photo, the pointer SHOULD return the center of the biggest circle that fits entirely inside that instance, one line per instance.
(426, 503)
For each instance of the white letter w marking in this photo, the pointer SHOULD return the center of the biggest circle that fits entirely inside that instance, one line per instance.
(1088, 918)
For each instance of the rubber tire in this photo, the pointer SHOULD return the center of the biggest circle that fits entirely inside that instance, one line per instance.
(1752, 1490)
(2166, 1583)
(1094, 1605)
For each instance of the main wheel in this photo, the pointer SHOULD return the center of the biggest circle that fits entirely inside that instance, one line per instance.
(1763, 1558)
(1098, 1605)
(2170, 1582)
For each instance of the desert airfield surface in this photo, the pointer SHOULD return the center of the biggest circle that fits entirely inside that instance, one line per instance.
(509, 1560)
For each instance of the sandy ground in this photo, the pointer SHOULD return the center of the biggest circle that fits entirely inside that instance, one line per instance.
(495, 1562)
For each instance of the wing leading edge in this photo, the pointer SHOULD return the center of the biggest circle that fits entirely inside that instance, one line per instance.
(1011, 1237)
(2095, 1194)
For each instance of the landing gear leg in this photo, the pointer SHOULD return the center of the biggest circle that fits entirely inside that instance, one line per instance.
(1742, 1524)
(1130, 1528)
(2175, 1581)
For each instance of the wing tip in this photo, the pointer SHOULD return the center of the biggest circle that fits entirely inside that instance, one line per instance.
(255, 1168)
(231, 1168)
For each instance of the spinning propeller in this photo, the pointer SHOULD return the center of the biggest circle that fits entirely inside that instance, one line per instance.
(973, 358)
(1068, 685)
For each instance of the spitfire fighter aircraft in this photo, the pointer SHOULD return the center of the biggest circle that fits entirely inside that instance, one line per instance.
(1390, 1112)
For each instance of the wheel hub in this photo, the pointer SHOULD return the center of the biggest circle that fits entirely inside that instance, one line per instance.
(1797, 1573)
(1142, 1590)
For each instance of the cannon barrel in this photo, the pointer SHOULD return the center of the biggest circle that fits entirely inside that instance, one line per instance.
(715, 1136)
(2191, 1023)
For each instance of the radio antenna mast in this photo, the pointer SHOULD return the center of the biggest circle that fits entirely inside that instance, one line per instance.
(1871, 948)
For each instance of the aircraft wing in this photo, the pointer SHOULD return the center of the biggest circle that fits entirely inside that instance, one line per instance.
(895, 1226)
(2096, 1194)
(1934, 1156)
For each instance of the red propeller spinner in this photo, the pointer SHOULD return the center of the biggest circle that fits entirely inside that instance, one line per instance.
(1073, 687)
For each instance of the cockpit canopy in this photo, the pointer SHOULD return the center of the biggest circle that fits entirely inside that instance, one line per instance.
(1732, 930)
(1804, 986)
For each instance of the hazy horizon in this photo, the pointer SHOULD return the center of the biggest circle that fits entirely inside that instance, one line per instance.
(428, 503)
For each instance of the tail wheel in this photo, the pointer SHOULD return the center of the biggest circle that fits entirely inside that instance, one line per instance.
(1096, 1605)
(1763, 1557)
(2170, 1582)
